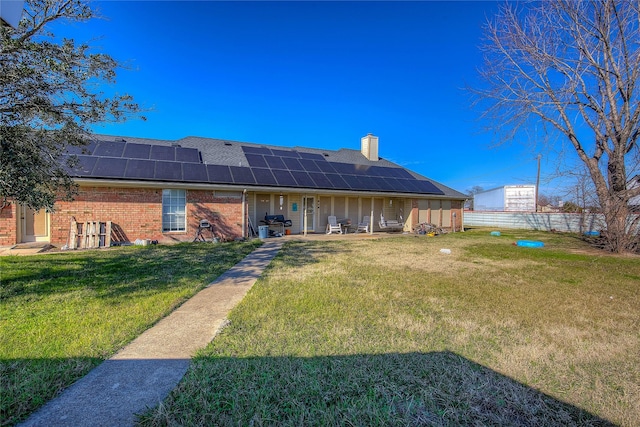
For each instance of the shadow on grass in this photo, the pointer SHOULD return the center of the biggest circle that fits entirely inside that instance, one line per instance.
(416, 389)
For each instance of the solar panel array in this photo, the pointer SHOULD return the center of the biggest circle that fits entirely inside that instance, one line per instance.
(292, 168)
(266, 167)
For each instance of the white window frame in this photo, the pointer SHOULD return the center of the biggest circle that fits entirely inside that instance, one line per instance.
(174, 210)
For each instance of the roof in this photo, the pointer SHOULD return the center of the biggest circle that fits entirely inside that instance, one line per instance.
(223, 162)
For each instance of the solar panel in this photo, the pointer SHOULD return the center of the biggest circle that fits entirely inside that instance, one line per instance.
(161, 152)
(84, 149)
(109, 149)
(275, 162)
(292, 164)
(138, 168)
(392, 184)
(264, 176)
(402, 186)
(411, 184)
(343, 168)
(168, 171)
(242, 175)
(303, 179)
(256, 160)
(392, 173)
(403, 173)
(325, 167)
(256, 150)
(428, 187)
(362, 170)
(187, 155)
(376, 171)
(309, 165)
(312, 156)
(136, 151)
(337, 181)
(354, 182)
(285, 153)
(109, 167)
(219, 174)
(194, 172)
(371, 182)
(284, 178)
(85, 165)
(321, 180)
(385, 184)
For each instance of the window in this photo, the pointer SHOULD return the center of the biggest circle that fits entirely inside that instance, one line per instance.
(174, 209)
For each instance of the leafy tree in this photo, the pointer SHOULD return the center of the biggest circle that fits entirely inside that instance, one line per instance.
(49, 96)
(570, 69)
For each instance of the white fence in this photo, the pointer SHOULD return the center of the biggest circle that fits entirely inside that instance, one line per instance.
(567, 222)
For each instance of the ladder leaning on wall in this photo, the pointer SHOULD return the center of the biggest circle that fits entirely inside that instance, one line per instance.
(252, 231)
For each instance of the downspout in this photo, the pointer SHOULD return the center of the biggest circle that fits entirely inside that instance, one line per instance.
(244, 214)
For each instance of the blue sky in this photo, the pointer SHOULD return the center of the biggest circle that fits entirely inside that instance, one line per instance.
(313, 74)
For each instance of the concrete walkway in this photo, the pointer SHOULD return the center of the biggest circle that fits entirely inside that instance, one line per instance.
(143, 373)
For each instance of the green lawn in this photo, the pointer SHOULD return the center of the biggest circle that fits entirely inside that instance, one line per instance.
(351, 332)
(394, 332)
(62, 314)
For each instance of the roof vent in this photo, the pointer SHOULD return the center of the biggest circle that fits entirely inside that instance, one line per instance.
(369, 147)
(325, 154)
(228, 143)
(120, 140)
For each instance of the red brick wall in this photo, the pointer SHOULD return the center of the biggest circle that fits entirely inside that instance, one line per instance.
(138, 213)
(225, 213)
(8, 225)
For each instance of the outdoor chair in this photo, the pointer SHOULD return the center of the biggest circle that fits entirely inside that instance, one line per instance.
(333, 225)
(364, 225)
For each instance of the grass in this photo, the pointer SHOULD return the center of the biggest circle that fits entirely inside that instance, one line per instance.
(393, 332)
(62, 314)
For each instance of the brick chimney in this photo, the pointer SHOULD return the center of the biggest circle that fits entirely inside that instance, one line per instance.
(369, 147)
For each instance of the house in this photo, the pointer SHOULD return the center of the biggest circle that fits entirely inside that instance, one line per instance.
(161, 190)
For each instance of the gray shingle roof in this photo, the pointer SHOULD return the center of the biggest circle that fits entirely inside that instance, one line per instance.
(217, 161)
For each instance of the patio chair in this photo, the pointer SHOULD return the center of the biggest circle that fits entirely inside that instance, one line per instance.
(364, 225)
(333, 225)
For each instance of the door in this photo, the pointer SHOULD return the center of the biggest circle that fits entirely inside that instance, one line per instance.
(308, 214)
(263, 207)
(35, 225)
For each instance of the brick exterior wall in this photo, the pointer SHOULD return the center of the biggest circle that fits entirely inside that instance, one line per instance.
(8, 225)
(136, 212)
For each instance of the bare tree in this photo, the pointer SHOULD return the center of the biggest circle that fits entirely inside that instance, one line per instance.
(571, 69)
(472, 192)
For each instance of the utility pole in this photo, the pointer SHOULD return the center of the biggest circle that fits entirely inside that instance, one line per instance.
(538, 182)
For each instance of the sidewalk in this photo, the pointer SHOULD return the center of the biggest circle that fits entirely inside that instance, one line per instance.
(143, 373)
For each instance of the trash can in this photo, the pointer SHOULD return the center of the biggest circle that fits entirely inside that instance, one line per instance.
(263, 231)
